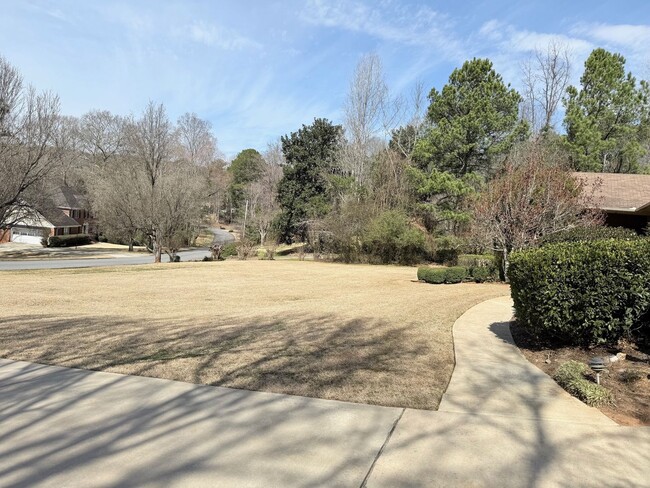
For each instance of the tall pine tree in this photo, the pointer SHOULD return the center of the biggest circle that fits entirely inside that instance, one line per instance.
(473, 121)
(607, 119)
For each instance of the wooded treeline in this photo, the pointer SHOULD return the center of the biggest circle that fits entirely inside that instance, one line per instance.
(474, 166)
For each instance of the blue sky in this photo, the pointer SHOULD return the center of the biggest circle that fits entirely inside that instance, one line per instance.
(260, 69)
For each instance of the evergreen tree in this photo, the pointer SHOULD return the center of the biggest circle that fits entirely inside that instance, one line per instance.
(246, 168)
(606, 119)
(473, 121)
(304, 192)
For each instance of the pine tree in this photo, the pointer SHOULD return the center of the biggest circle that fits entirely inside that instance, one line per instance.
(607, 119)
(473, 121)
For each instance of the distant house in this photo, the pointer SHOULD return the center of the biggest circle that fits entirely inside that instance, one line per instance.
(67, 214)
(75, 205)
(625, 198)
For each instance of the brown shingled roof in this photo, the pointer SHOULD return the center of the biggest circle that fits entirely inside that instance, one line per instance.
(619, 192)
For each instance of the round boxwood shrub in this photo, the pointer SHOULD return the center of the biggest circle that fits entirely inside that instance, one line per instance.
(481, 274)
(455, 274)
(583, 293)
(435, 276)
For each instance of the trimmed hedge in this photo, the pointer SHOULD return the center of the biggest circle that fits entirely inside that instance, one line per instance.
(480, 274)
(583, 293)
(436, 276)
(455, 274)
(581, 234)
(69, 240)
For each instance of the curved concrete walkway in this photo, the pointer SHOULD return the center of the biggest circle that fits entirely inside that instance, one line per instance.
(503, 422)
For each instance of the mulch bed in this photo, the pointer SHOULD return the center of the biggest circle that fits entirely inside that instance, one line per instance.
(628, 379)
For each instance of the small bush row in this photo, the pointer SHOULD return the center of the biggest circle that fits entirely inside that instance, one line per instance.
(582, 293)
(571, 377)
(69, 240)
(454, 274)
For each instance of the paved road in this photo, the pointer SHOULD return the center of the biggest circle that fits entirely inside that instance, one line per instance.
(139, 258)
(501, 423)
(220, 236)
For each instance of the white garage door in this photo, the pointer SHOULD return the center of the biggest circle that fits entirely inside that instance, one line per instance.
(27, 235)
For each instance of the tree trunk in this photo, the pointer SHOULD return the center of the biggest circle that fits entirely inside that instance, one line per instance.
(505, 263)
(157, 248)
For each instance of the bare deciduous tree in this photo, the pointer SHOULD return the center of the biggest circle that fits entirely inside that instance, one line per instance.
(102, 136)
(545, 78)
(364, 107)
(28, 154)
(196, 141)
(149, 191)
(535, 195)
(263, 192)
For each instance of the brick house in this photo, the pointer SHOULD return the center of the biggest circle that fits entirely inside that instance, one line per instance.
(68, 214)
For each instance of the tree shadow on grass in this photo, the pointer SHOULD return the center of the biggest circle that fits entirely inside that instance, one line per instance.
(366, 361)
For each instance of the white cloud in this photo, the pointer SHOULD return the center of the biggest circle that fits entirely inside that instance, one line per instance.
(510, 39)
(388, 21)
(211, 35)
(634, 37)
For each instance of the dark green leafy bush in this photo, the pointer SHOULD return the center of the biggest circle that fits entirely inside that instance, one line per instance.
(447, 250)
(229, 249)
(581, 234)
(481, 274)
(583, 293)
(571, 377)
(69, 240)
(435, 276)
(455, 274)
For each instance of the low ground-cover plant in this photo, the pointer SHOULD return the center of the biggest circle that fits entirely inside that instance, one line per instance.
(583, 293)
(591, 233)
(69, 240)
(571, 377)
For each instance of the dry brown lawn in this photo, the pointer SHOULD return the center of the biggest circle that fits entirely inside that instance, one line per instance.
(369, 334)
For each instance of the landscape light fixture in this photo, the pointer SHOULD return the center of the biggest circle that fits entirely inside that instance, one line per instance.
(597, 365)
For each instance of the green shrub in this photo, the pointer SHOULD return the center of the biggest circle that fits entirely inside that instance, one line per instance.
(570, 376)
(390, 238)
(68, 240)
(583, 292)
(581, 234)
(481, 274)
(435, 276)
(482, 267)
(455, 274)
(477, 260)
(447, 250)
(229, 249)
